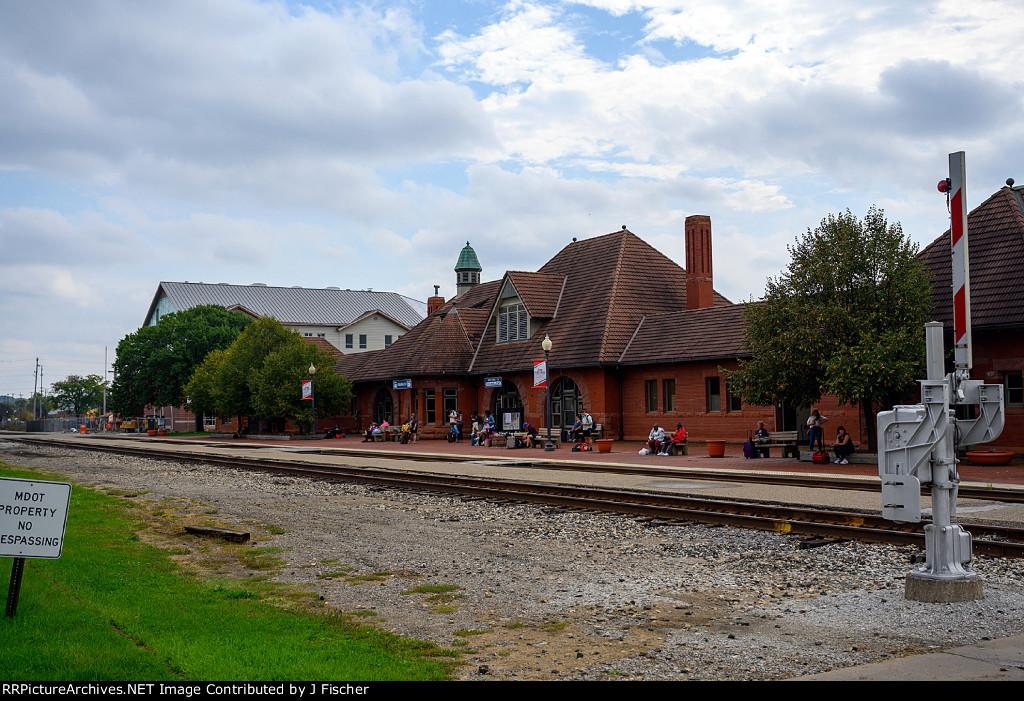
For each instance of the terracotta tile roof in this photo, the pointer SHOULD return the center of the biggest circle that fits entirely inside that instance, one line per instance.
(443, 343)
(324, 345)
(590, 298)
(996, 247)
(540, 292)
(683, 336)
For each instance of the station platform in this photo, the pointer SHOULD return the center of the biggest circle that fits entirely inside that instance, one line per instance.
(628, 453)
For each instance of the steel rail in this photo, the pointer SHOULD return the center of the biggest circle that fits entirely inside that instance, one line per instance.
(670, 508)
(864, 484)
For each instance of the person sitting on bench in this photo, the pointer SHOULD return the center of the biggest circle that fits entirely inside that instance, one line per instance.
(655, 440)
(677, 440)
(531, 433)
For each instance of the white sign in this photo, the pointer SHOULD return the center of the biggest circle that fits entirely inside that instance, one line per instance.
(540, 373)
(33, 516)
(307, 389)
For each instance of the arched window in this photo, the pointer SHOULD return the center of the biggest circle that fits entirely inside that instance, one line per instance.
(507, 401)
(565, 403)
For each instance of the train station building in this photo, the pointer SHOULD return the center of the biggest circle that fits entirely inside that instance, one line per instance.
(638, 340)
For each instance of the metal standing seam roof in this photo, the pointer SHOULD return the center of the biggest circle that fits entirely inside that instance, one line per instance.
(294, 305)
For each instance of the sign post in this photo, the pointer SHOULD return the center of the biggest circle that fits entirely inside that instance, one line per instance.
(33, 517)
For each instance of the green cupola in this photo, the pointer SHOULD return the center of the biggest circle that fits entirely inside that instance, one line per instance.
(467, 270)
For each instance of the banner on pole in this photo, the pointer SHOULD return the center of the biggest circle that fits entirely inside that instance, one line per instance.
(307, 389)
(540, 373)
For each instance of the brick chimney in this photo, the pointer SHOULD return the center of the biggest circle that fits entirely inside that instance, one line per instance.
(436, 302)
(699, 291)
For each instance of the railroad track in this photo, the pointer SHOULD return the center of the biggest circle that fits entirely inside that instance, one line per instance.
(989, 540)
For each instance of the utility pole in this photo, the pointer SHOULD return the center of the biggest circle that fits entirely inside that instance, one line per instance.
(104, 386)
(35, 392)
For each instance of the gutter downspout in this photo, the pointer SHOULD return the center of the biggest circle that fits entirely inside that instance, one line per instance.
(622, 427)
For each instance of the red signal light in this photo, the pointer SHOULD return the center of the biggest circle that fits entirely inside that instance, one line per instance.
(945, 185)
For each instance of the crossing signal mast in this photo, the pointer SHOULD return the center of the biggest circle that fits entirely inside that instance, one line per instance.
(918, 443)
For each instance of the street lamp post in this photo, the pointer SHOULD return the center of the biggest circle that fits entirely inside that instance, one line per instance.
(312, 396)
(546, 345)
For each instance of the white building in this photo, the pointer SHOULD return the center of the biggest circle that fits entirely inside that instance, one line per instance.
(350, 320)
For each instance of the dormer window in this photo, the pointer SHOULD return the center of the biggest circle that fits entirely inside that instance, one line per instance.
(513, 323)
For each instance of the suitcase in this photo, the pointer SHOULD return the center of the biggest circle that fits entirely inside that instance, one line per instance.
(820, 458)
(748, 449)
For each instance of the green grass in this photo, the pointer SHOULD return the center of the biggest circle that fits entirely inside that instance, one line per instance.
(114, 608)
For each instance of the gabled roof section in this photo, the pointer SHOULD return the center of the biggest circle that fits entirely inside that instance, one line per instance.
(995, 230)
(293, 305)
(443, 343)
(540, 292)
(698, 334)
(367, 315)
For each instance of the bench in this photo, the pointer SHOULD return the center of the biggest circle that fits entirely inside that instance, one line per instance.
(789, 441)
(676, 448)
(542, 437)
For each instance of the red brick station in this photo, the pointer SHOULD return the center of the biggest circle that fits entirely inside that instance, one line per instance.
(637, 340)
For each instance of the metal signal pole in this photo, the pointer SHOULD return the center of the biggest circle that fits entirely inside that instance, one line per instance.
(918, 443)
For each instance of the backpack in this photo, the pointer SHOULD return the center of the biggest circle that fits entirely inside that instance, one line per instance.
(820, 458)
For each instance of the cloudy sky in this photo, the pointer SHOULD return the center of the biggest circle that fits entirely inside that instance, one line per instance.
(362, 144)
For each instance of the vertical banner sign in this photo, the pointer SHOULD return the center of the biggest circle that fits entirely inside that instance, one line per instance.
(307, 389)
(540, 373)
(962, 355)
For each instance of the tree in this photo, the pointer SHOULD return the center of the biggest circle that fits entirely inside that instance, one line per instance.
(845, 318)
(261, 374)
(202, 394)
(243, 360)
(154, 363)
(277, 385)
(79, 393)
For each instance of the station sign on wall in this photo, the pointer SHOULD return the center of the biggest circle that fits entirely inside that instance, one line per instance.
(33, 516)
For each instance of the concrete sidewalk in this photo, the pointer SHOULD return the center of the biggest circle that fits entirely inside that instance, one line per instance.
(990, 660)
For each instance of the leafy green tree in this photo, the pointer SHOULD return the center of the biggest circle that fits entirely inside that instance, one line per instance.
(845, 318)
(243, 360)
(277, 385)
(202, 392)
(154, 363)
(261, 375)
(79, 393)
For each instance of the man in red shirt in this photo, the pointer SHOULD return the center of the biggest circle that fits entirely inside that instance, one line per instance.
(675, 442)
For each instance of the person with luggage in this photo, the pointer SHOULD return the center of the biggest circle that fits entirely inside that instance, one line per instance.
(576, 432)
(587, 425)
(843, 447)
(761, 437)
(486, 427)
(814, 430)
(655, 440)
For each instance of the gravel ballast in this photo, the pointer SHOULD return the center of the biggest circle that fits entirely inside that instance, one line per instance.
(530, 592)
